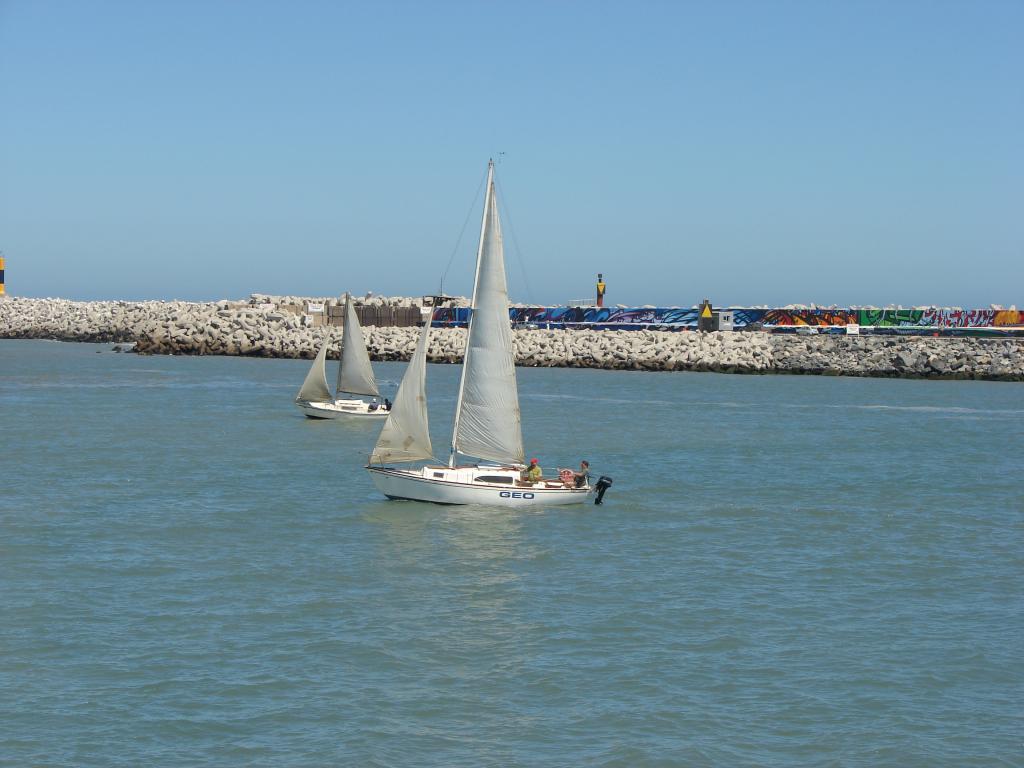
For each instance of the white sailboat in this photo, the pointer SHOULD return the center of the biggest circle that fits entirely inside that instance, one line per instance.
(487, 418)
(355, 377)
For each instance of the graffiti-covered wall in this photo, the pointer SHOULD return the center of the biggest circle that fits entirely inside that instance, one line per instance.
(572, 317)
(942, 318)
(808, 317)
(676, 318)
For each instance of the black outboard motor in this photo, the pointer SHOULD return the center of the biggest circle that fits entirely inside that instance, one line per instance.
(603, 484)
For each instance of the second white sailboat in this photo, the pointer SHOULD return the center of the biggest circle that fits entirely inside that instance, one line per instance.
(355, 377)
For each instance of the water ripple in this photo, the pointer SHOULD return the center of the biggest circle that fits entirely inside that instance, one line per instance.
(787, 571)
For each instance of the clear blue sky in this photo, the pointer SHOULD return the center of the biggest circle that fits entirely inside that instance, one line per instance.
(750, 152)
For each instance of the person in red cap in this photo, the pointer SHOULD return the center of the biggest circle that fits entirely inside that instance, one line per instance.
(534, 473)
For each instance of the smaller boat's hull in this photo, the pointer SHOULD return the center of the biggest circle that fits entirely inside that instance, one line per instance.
(340, 409)
(462, 485)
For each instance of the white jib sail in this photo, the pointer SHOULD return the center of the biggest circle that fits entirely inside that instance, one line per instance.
(406, 434)
(314, 388)
(355, 374)
(487, 423)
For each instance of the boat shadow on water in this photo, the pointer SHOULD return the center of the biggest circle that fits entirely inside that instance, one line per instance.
(413, 529)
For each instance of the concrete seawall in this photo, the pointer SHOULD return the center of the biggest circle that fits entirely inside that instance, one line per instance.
(239, 328)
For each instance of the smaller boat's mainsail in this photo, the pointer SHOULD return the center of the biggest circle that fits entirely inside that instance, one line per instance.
(406, 434)
(355, 374)
(314, 388)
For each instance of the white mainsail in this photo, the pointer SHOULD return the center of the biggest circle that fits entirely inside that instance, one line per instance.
(406, 434)
(314, 388)
(487, 418)
(355, 374)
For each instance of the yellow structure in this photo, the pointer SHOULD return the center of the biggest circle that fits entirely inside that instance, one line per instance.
(1, 275)
(600, 289)
(705, 320)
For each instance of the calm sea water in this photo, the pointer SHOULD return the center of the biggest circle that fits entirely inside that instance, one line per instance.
(787, 571)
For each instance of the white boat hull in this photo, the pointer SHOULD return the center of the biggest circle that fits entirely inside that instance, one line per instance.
(340, 409)
(463, 485)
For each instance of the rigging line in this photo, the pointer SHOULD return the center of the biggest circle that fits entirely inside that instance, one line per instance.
(568, 424)
(515, 241)
(458, 242)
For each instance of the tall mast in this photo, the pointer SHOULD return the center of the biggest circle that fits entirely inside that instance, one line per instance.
(476, 279)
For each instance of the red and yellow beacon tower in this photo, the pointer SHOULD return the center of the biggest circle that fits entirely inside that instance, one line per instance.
(1, 275)
(600, 289)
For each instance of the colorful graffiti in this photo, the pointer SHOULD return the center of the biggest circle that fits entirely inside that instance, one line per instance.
(455, 317)
(604, 316)
(809, 317)
(570, 317)
(678, 318)
(940, 318)
(741, 318)
(1008, 318)
(889, 318)
(958, 318)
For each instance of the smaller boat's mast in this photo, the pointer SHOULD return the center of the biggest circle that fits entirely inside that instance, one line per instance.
(469, 329)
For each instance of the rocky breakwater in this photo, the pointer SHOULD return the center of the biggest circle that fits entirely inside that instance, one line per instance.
(261, 329)
(249, 331)
(758, 352)
(254, 327)
(96, 321)
(901, 356)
